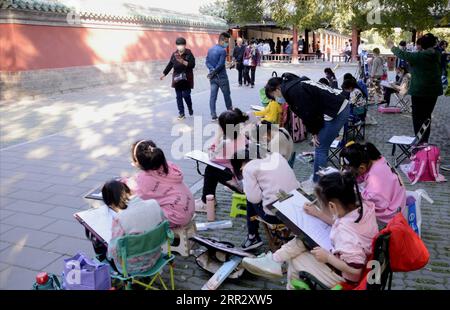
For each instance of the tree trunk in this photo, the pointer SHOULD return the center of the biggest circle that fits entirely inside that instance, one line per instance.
(294, 58)
(414, 36)
(355, 40)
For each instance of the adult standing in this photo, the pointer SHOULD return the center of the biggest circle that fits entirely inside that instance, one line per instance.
(284, 44)
(215, 62)
(182, 62)
(279, 46)
(401, 62)
(252, 58)
(348, 52)
(377, 72)
(238, 58)
(441, 48)
(272, 46)
(426, 84)
(323, 110)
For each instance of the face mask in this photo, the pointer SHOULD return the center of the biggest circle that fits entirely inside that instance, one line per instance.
(180, 48)
(334, 216)
(225, 45)
(280, 100)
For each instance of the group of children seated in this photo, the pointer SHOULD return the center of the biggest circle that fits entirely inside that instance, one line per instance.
(258, 161)
(141, 202)
(355, 202)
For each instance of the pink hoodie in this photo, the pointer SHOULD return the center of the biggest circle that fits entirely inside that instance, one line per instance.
(173, 196)
(381, 186)
(352, 242)
(224, 150)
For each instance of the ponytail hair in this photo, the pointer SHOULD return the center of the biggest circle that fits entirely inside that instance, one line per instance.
(343, 188)
(272, 85)
(149, 156)
(330, 72)
(356, 154)
(232, 117)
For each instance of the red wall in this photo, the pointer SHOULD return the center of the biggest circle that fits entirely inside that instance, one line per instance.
(31, 47)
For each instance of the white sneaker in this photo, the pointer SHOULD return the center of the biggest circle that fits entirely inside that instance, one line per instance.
(263, 266)
(200, 206)
(308, 186)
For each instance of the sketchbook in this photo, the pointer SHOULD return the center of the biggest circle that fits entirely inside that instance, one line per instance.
(98, 221)
(257, 107)
(314, 228)
(203, 157)
(386, 84)
(401, 140)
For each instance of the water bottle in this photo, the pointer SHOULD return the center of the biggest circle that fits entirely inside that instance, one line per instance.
(44, 282)
(210, 208)
(412, 213)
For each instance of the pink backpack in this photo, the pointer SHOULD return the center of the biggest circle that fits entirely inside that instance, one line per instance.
(293, 124)
(425, 165)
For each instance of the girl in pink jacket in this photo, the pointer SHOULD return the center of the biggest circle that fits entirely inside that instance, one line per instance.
(353, 227)
(162, 181)
(378, 181)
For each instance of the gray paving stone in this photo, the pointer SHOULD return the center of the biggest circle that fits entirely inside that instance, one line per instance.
(4, 228)
(25, 206)
(66, 190)
(30, 185)
(62, 213)
(28, 237)
(27, 257)
(5, 213)
(66, 228)
(3, 244)
(28, 221)
(63, 200)
(71, 246)
(29, 195)
(3, 266)
(17, 278)
(4, 202)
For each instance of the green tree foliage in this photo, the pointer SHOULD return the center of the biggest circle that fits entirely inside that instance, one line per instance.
(218, 8)
(414, 14)
(246, 11)
(309, 14)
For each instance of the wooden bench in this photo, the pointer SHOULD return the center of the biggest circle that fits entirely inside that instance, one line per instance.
(339, 57)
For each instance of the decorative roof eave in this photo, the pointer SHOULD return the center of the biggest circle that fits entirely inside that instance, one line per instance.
(153, 16)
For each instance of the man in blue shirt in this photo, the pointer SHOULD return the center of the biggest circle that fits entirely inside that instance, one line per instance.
(215, 61)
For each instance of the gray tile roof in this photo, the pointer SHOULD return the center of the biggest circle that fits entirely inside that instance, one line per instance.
(132, 11)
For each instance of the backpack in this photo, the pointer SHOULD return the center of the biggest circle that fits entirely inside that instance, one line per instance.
(425, 163)
(407, 252)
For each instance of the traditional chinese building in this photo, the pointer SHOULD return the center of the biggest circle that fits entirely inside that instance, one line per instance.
(50, 47)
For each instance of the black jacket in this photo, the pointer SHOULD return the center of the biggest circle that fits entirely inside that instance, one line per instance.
(238, 53)
(180, 68)
(310, 100)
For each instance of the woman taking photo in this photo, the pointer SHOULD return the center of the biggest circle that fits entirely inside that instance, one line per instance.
(323, 110)
(182, 62)
(426, 84)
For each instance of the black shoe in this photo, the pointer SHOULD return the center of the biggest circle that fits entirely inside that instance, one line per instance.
(253, 86)
(191, 112)
(180, 117)
(214, 119)
(250, 244)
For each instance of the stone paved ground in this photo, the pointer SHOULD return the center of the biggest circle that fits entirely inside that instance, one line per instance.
(54, 150)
